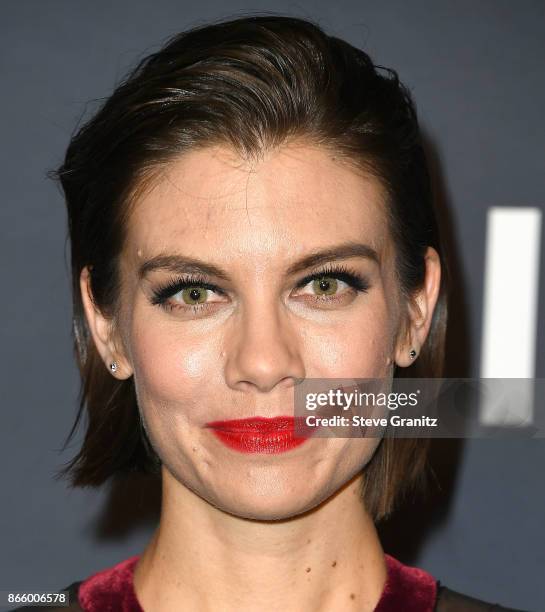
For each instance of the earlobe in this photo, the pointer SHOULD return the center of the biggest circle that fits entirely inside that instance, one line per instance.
(101, 330)
(405, 356)
(405, 350)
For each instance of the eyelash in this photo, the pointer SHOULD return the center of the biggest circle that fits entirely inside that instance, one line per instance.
(161, 295)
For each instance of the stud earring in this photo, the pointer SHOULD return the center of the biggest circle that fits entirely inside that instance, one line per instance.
(412, 353)
(113, 366)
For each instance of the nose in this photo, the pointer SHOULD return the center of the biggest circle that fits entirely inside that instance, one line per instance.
(263, 351)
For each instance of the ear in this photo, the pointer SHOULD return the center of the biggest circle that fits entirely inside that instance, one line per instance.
(103, 331)
(420, 312)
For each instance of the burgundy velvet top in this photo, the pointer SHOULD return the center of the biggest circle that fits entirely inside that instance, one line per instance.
(111, 590)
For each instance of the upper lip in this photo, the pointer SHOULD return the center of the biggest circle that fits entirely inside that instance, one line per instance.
(259, 424)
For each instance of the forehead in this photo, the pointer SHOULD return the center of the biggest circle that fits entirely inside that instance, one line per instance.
(295, 199)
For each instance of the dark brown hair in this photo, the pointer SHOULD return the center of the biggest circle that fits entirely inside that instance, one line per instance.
(252, 83)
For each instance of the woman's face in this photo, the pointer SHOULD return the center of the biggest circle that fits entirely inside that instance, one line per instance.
(254, 233)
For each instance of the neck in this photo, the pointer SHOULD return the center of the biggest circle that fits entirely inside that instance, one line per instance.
(201, 558)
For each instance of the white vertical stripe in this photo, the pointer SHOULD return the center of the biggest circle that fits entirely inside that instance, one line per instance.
(510, 305)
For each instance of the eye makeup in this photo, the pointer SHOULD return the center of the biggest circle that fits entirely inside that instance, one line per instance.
(161, 296)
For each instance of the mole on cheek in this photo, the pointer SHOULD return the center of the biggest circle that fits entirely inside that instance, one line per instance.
(308, 569)
(352, 596)
(334, 564)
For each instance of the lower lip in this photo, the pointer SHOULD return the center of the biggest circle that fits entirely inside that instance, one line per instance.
(259, 434)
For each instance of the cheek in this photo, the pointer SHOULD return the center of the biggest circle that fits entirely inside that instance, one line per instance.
(360, 345)
(171, 369)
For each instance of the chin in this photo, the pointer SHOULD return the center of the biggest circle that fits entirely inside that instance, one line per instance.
(267, 510)
(272, 500)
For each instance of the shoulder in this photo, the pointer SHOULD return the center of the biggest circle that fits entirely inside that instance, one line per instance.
(412, 589)
(452, 601)
(108, 589)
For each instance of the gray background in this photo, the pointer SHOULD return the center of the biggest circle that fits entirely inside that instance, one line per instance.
(476, 71)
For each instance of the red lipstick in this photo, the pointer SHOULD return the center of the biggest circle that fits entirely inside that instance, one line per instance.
(259, 434)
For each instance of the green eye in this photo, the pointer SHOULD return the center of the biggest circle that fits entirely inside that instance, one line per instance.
(194, 295)
(325, 285)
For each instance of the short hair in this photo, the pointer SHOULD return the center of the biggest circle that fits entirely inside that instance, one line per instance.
(252, 83)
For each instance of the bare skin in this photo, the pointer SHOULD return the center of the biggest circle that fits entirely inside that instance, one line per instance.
(246, 532)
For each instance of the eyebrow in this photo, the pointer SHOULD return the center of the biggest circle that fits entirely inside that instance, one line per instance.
(181, 264)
